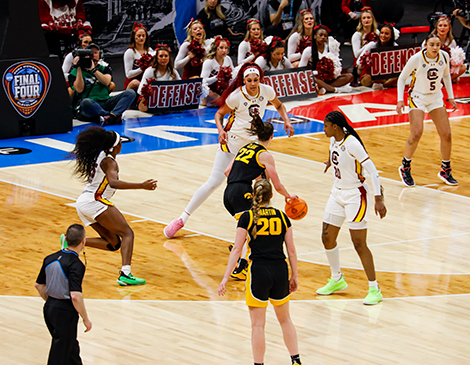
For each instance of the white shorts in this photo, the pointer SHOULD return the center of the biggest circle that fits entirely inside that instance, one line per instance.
(88, 208)
(425, 102)
(352, 204)
(234, 143)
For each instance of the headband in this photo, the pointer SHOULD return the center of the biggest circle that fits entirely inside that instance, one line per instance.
(387, 23)
(322, 26)
(273, 40)
(305, 11)
(249, 21)
(366, 8)
(158, 46)
(116, 142)
(220, 39)
(250, 70)
(137, 26)
(192, 22)
(443, 17)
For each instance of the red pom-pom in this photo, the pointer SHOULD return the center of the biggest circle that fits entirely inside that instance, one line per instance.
(198, 51)
(223, 78)
(445, 49)
(257, 45)
(326, 69)
(305, 42)
(146, 90)
(371, 37)
(145, 61)
(366, 63)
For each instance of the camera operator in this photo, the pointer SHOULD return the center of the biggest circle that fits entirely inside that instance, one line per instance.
(91, 80)
(459, 14)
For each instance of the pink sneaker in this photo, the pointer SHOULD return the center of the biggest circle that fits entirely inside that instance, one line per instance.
(170, 230)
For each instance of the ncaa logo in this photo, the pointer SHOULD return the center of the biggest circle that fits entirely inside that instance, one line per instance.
(26, 85)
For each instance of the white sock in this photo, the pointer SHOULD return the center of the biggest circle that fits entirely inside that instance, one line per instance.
(333, 259)
(373, 284)
(184, 216)
(126, 269)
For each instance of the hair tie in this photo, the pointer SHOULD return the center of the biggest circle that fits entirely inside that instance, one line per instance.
(392, 24)
(250, 70)
(190, 24)
(158, 46)
(249, 21)
(220, 39)
(322, 26)
(305, 11)
(137, 26)
(274, 40)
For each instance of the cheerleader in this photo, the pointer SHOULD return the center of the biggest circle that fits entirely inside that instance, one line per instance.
(428, 68)
(366, 31)
(274, 58)
(268, 274)
(162, 69)
(325, 46)
(95, 153)
(253, 37)
(301, 37)
(192, 51)
(245, 98)
(387, 38)
(349, 199)
(137, 57)
(216, 70)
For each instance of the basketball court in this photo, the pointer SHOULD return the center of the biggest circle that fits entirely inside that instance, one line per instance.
(420, 248)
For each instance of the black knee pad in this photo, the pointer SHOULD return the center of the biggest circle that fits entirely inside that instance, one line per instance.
(114, 248)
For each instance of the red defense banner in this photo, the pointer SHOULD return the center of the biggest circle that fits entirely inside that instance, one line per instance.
(171, 96)
(388, 62)
(292, 84)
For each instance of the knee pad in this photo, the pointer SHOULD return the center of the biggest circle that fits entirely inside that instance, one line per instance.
(114, 248)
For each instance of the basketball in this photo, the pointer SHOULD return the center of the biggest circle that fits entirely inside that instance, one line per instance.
(296, 208)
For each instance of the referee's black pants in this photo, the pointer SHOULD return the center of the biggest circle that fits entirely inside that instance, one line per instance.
(62, 321)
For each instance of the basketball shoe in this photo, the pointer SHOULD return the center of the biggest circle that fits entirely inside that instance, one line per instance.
(124, 280)
(373, 297)
(170, 230)
(240, 272)
(405, 174)
(333, 286)
(63, 242)
(446, 176)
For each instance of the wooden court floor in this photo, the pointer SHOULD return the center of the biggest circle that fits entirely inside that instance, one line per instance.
(420, 250)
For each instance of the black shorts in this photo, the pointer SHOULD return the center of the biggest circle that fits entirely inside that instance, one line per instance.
(238, 197)
(267, 280)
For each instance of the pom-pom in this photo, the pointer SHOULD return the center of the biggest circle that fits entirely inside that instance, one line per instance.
(305, 42)
(366, 63)
(257, 45)
(445, 49)
(198, 51)
(326, 69)
(146, 90)
(145, 61)
(396, 33)
(223, 79)
(333, 45)
(457, 58)
(371, 37)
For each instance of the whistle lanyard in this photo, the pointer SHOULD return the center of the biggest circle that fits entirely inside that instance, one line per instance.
(291, 10)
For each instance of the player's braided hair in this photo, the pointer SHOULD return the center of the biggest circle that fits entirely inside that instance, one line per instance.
(262, 193)
(264, 130)
(336, 117)
(88, 145)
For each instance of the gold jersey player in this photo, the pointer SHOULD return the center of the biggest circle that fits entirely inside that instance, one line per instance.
(252, 161)
(266, 229)
(428, 68)
(349, 200)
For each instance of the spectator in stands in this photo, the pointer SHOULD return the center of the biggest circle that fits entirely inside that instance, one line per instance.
(349, 18)
(214, 21)
(137, 57)
(387, 38)
(91, 81)
(274, 58)
(300, 37)
(329, 76)
(254, 37)
(162, 69)
(217, 70)
(462, 19)
(193, 50)
(443, 29)
(282, 15)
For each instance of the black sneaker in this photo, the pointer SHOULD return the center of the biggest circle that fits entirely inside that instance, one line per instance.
(240, 272)
(446, 176)
(405, 174)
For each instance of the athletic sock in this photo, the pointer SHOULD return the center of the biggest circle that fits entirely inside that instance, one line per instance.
(126, 269)
(373, 284)
(445, 164)
(185, 216)
(333, 259)
(405, 162)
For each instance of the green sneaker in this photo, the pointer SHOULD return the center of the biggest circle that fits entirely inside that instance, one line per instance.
(63, 242)
(333, 286)
(129, 280)
(374, 297)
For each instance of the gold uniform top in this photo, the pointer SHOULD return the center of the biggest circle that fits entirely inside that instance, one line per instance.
(272, 226)
(247, 166)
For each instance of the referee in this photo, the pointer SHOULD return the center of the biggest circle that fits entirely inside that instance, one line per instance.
(60, 284)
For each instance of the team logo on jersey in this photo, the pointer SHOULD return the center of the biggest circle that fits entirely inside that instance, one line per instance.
(245, 103)
(335, 157)
(343, 148)
(254, 110)
(248, 196)
(433, 74)
(261, 98)
(26, 84)
(441, 63)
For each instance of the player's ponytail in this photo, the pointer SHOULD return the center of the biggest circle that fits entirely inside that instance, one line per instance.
(262, 193)
(264, 130)
(336, 117)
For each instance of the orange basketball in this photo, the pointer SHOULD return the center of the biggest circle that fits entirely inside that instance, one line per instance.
(296, 208)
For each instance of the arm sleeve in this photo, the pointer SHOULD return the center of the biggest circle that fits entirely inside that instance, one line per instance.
(244, 220)
(129, 63)
(356, 44)
(206, 71)
(67, 65)
(287, 64)
(292, 45)
(270, 93)
(231, 100)
(306, 56)
(374, 175)
(405, 73)
(76, 274)
(446, 78)
(41, 279)
(243, 49)
(148, 74)
(368, 47)
(345, 4)
(261, 62)
(182, 57)
(359, 153)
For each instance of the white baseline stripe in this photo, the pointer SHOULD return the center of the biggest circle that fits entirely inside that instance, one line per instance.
(53, 143)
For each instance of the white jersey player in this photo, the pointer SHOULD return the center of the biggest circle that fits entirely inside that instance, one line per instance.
(250, 98)
(428, 69)
(349, 200)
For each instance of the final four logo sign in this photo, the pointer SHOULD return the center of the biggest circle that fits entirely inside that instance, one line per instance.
(26, 84)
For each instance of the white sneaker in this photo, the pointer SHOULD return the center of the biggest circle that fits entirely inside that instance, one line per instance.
(344, 89)
(377, 86)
